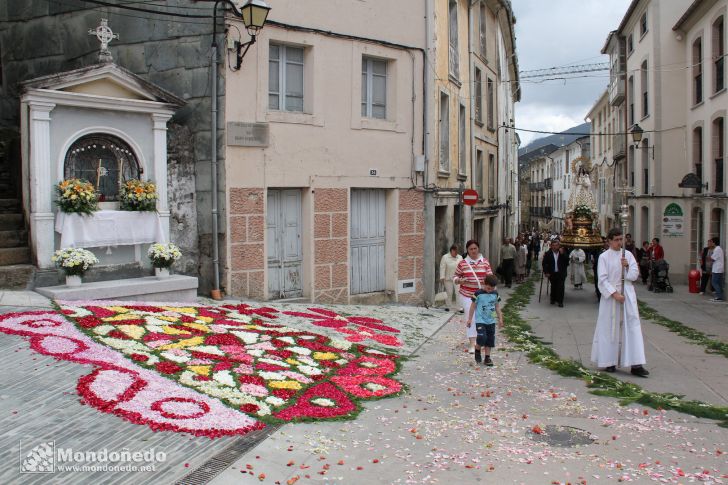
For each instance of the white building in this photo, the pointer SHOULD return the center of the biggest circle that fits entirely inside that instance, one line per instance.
(322, 143)
(668, 77)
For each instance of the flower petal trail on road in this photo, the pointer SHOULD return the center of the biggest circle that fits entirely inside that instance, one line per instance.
(214, 370)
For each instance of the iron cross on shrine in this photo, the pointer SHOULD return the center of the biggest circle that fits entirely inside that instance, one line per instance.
(105, 35)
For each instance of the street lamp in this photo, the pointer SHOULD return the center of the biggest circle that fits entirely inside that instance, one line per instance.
(637, 132)
(254, 14)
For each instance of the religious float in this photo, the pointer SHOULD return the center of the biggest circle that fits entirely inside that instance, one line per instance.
(581, 226)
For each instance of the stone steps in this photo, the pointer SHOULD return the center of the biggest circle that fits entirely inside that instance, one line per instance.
(175, 288)
(9, 222)
(16, 276)
(11, 256)
(10, 206)
(13, 239)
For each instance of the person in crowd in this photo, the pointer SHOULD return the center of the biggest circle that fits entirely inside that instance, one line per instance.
(485, 309)
(656, 251)
(448, 264)
(529, 255)
(706, 267)
(554, 266)
(578, 275)
(595, 265)
(629, 245)
(521, 256)
(643, 257)
(618, 313)
(716, 278)
(508, 257)
(470, 275)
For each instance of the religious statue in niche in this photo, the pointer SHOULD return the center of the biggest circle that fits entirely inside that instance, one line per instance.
(104, 160)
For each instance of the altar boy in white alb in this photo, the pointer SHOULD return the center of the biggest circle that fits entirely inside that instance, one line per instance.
(618, 315)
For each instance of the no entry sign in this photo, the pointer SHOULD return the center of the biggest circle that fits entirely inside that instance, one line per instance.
(470, 197)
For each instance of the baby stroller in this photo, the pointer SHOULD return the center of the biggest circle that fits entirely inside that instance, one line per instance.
(659, 277)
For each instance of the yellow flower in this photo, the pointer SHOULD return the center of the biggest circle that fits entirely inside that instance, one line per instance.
(324, 356)
(285, 385)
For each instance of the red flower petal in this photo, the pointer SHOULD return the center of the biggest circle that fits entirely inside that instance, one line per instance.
(304, 409)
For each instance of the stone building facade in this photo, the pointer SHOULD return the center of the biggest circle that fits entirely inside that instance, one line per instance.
(39, 38)
(682, 114)
(474, 85)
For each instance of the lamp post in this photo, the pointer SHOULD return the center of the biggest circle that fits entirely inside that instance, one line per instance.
(254, 14)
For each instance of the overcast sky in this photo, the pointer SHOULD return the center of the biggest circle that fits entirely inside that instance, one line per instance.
(553, 33)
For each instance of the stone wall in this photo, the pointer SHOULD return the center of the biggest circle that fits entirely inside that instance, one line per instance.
(40, 37)
(412, 243)
(182, 200)
(247, 230)
(331, 246)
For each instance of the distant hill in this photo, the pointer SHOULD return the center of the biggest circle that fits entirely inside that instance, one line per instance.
(563, 138)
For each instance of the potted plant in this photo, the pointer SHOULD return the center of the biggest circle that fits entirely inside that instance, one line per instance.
(137, 195)
(77, 196)
(74, 262)
(163, 256)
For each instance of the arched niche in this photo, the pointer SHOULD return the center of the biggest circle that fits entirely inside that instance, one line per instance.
(103, 159)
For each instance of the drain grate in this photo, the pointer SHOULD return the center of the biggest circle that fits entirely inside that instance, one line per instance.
(218, 463)
(564, 436)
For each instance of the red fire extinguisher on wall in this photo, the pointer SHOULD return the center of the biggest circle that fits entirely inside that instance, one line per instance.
(694, 281)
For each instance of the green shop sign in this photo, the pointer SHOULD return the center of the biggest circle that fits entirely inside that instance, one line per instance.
(673, 221)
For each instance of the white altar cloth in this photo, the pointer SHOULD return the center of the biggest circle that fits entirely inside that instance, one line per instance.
(109, 228)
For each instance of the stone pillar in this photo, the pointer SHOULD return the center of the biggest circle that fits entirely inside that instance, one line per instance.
(246, 246)
(411, 249)
(331, 246)
(159, 168)
(41, 210)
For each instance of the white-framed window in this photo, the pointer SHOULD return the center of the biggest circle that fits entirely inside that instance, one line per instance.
(478, 96)
(630, 43)
(478, 176)
(645, 90)
(482, 31)
(373, 88)
(285, 78)
(491, 105)
(719, 54)
(698, 70)
(643, 24)
(444, 132)
(454, 56)
(462, 137)
(491, 177)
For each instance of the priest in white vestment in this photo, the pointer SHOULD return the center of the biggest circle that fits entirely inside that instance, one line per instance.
(618, 315)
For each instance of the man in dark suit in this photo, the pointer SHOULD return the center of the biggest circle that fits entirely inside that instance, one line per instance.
(554, 265)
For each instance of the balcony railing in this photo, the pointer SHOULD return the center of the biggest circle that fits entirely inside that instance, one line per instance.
(618, 146)
(536, 186)
(616, 89)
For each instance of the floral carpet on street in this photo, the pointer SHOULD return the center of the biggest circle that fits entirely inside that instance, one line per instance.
(217, 370)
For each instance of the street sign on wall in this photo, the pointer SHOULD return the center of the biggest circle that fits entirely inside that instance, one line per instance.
(673, 221)
(470, 197)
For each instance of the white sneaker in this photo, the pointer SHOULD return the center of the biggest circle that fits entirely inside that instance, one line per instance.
(717, 300)
(701, 293)
(472, 350)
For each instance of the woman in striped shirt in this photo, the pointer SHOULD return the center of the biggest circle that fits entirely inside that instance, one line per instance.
(470, 275)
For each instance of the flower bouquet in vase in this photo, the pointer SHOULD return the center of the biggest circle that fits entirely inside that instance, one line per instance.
(163, 256)
(136, 195)
(74, 262)
(77, 196)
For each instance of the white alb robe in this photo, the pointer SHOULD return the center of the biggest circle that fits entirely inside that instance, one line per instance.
(577, 257)
(605, 346)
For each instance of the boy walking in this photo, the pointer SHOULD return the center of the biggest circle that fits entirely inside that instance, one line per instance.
(486, 309)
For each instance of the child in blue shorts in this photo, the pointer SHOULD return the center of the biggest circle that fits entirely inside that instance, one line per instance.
(485, 308)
